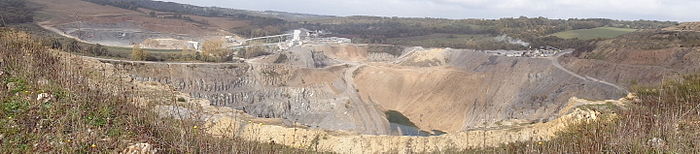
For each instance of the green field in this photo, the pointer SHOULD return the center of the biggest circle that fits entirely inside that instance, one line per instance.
(595, 33)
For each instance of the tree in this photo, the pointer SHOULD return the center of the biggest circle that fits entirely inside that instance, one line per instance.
(55, 44)
(214, 47)
(138, 54)
(255, 49)
(152, 14)
(73, 46)
(98, 50)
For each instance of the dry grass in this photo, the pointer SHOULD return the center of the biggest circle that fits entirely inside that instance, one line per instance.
(91, 110)
(664, 120)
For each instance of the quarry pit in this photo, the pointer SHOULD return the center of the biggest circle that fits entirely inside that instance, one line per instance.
(382, 90)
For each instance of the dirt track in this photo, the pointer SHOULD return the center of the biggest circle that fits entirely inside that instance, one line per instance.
(555, 62)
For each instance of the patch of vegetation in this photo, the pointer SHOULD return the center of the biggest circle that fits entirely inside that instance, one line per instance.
(455, 41)
(138, 54)
(125, 49)
(151, 54)
(16, 85)
(180, 99)
(594, 33)
(596, 55)
(642, 40)
(254, 51)
(391, 49)
(282, 58)
(607, 108)
(271, 73)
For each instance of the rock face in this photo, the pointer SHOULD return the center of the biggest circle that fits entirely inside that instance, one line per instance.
(11, 86)
(313, 97)
(44, 97)
(656, 142)
(348, 87)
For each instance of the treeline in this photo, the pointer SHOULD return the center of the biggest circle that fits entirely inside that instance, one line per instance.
(535, 30)
(129, 5)
(15, 11)
(164, 7)
(377, 28)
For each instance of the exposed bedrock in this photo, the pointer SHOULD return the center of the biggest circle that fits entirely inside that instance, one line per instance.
(313, 97)
(347, 87)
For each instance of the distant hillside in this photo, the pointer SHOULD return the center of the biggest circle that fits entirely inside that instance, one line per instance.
(428, 32)
(259, 19)
(368, 29)
(533, 30)
(641, 58)
(260, 23)
(594, 33)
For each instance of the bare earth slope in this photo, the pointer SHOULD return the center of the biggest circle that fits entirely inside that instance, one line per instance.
(475, 90)
(641, 58)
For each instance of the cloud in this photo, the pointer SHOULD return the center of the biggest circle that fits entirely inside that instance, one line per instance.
(676, 10)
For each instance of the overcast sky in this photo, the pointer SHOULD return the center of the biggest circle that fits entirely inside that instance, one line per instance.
(674, 10)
